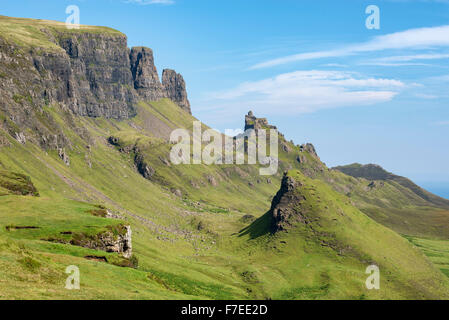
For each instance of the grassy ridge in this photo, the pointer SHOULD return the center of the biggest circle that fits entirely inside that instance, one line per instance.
(32, 33)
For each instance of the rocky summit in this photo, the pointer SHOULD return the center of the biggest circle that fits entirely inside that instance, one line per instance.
(91, 73)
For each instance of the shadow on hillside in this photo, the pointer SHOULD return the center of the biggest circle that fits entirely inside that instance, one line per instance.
(258, 228)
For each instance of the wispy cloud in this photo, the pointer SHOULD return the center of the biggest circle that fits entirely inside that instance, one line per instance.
(409, 60)
(425, 96)
(308, 91)
(394, 64)
(147, 2)
(426, 56)
(419, 38)
(442, 123)
(335, 65)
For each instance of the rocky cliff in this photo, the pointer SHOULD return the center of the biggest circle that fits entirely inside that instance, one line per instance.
(87, 72)
(146, 79)
(175, 88)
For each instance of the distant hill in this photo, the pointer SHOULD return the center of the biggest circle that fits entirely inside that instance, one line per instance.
(377, 173)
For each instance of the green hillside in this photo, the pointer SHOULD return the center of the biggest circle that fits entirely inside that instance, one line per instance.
(68, 181)
(198, 245)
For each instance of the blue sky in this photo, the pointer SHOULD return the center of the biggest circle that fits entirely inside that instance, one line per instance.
(311, 67)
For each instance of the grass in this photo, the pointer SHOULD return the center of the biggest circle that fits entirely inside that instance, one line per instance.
(16, 183)
(30, 33)
(327, 257)
(436, 250)
(213, 240)
(196, 246)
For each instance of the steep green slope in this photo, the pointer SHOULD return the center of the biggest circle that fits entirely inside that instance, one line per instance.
(325, 244)
(187, 246)
(198, 231)
(171, 235)
(389, 199)
(322, 245)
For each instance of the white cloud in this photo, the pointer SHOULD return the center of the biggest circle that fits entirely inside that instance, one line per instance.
(335, 65)
(425, 96)
(442, 123)
(426, 56)
(394, 64)
(308, 91)
(146, 2)
(420, 38)
(398, 61)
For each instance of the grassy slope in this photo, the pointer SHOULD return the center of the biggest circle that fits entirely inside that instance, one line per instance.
(397, 202)
(377, 173)
(196, 246)
(29, 33)
(327, 257)
(165, 235)
(176, 260)
(436, 250)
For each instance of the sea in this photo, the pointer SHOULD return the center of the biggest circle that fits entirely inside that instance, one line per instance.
(439, 188)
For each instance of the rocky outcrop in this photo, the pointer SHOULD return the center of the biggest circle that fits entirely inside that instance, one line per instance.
(251, 122)
(117, 239)
(63, 156)
(142, 167)
(175, 88)
(284, 205)
(91, 74)
(20, 137)
(140, 162)
(308, 147)
(146, 79)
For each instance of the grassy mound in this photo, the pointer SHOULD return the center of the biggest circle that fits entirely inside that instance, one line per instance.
(16, 183)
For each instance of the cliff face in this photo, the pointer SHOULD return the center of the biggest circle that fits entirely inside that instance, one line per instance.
(145, 77)
(92, 77)
(86, 73)
(175, 88)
